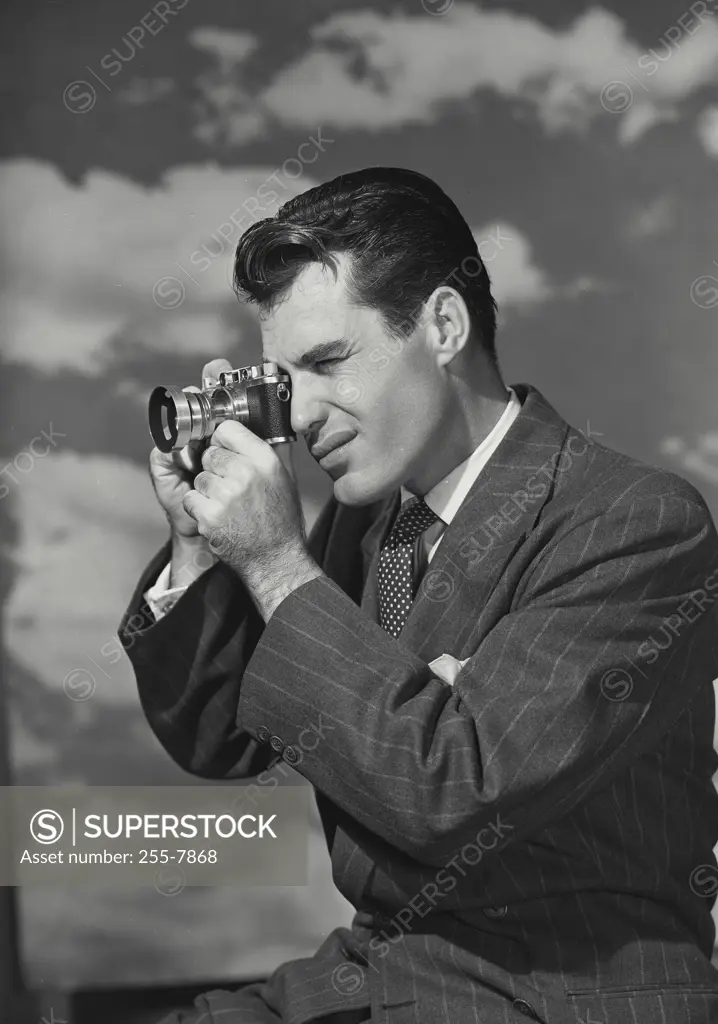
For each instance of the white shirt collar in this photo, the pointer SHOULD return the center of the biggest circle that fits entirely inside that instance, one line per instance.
(446, 496)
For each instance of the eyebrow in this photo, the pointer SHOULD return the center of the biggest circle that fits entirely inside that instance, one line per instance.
(323, 350)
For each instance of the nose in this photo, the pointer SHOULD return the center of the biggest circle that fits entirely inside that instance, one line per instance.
(308, 409)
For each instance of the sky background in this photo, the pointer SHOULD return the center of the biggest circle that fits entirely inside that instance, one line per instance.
(581, 144)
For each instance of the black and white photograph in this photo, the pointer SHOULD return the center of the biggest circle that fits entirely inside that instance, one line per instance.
(359, 491)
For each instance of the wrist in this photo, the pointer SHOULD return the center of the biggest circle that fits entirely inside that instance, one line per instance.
(183, 532)
(187, 539)
(191, 557)
(270, 584)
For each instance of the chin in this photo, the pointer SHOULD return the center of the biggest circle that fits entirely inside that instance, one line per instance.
(352, 489)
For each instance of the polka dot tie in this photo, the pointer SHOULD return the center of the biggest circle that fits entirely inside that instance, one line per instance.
(395, 574)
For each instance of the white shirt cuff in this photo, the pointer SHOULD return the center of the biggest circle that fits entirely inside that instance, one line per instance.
(160, 596)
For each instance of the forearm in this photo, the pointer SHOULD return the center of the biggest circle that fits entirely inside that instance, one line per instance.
(189, 667)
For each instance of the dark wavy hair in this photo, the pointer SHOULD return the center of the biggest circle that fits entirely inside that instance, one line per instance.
(404, 237)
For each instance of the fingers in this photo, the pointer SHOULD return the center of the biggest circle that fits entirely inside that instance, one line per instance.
(214, 367)
(203, 509)
(175, 459)
(189, 458)
(237, 438)
(216, 460)
(189, 504)
(185, 458)
(208, 499)
(284, 452)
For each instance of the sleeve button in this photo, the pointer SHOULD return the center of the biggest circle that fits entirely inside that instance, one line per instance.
(262, 734)
(290, 755)
(275, 743)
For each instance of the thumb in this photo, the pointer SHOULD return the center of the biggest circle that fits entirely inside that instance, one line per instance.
(214, 367)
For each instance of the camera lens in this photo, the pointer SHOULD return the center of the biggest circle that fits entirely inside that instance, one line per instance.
(163, 419)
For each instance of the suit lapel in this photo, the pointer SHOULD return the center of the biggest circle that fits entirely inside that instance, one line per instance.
(499, 510)
(497, 513)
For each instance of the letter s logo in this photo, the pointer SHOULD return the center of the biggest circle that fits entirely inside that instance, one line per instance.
(46, 827)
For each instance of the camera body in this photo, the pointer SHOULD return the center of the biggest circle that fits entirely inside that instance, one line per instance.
(257, 396)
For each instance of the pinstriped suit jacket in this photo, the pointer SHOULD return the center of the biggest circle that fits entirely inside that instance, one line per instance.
(535, 841)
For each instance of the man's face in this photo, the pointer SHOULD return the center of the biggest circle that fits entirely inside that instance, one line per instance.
(377, 401)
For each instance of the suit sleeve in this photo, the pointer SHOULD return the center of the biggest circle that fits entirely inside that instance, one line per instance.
(189, 665)
(612, 634)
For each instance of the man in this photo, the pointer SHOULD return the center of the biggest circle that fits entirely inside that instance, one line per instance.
(507, 630)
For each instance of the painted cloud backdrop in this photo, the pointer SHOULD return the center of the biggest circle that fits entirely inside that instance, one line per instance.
(579, 140)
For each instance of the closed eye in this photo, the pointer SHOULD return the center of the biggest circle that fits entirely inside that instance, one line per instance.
(328, 362)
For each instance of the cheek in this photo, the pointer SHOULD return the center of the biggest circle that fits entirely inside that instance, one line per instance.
(396, 424)
(398, 403)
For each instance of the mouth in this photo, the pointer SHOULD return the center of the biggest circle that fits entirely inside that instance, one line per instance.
(334, 458)
(332, 443)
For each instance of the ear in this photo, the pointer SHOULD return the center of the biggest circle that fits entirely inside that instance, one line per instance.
(447, 321)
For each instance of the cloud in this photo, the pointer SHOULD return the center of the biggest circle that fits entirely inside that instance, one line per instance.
(85, 264)
(87, 526)
(222, 88)
(373, 71)
(140, 91)
(652, 219)
(506, 252)
(516, 280)
(708, 129)
(230, 48)
(699, 459)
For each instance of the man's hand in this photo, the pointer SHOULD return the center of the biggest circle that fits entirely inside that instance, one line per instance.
(172, 472)
(246, 505)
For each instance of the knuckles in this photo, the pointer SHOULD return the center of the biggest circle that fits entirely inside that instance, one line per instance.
(213, 457)
(221, 489)
(222, 435)
(216, 459)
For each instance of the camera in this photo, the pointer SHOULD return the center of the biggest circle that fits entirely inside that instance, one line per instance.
(256, 396)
